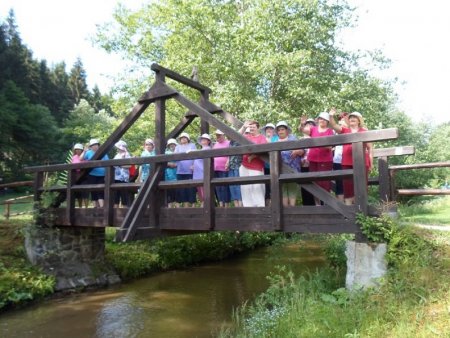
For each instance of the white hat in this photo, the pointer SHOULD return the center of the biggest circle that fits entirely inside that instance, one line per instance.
(355, 113)
(268, 125)
(310, 120)
(171, 141)
(93, 141)
(324, 115)
(121, 145)
(149, 141)
(205, 136)
(283, 124)
(219, 132)
(78, 146)
(184, 135)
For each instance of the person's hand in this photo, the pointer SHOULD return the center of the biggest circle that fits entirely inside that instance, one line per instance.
(332, 111)
(303, 119)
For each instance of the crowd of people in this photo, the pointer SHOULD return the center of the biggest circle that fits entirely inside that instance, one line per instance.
(247, 195)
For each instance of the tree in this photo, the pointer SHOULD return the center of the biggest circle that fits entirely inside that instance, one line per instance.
(77, 82)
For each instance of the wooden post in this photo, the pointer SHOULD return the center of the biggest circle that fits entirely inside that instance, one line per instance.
(359, 177)
(384, 179)
(275, 191)
(208, 190)
(108, 214)
(70, 197)
(204, 125)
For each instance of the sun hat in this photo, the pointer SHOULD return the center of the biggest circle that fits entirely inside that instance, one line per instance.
(219, 132)
(357, 115)
(121, 145)
(324, 115)
(283, 124)
(93, 141)
(149, 141)
(310, 120)
(184, 135)
(78, 146)
(205, 136)
(171, 141)
(268, 125)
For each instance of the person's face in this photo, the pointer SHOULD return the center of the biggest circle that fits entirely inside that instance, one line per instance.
(253, 129)
(204, 142)
(148, 146)
(220, 138)
(282, 132)
(94, 147)
(184, 140)
(172, 147)
(323, 123)
(353, 121)
(269, 132)
(78, 151)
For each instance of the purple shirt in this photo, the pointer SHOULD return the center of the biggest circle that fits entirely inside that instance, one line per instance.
(184, 167)
(198, 167)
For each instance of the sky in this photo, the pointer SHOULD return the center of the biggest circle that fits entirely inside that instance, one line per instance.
(412, 34)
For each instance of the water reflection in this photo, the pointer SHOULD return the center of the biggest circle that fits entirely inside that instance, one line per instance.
(188, 303)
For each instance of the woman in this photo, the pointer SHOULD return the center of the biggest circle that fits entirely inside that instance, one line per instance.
(252, 165)
(197, 168)
(220, 169)
(149, 150)
(233, 164)
(355, 124)
(96, 175)
(293, 159)
(185, 196)
(320, 158)
(121, 175)
(80, 196)
(170, 174)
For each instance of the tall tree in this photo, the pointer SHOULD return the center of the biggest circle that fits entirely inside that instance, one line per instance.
(77, 82)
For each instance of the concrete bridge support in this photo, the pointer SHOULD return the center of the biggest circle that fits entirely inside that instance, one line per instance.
(366, 263)
(74, 255)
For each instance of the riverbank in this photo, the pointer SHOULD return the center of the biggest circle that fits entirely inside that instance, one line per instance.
(22, 283)
(413, 300)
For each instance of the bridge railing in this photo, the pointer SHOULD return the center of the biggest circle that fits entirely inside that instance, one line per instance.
(278, 176)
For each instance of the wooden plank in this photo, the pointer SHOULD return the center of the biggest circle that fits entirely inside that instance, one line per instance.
(208, 190)
(359, 177)
(109, 197)
(420, 166)
(334, 229)
(156, 93)
(384, 179)
(394, 151)
(17, 184)
(418, 192)
(139, 205)
(276, 204)
(179, 78)
(302, 211)
(70, 198)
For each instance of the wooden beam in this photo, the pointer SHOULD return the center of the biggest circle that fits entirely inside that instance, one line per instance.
(276, 202)
(420, 166)
(359, 177)
(419, 192)
(157, 92)
(384, 180)
(394, 151)
(179, 78)
(108, 214)
(209, 196)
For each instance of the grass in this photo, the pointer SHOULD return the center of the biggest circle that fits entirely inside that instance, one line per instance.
(20, 206)
(433, 212)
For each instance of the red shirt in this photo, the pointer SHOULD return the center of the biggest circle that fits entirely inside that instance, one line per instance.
(322, 154)
(347, 152)
(257, 163)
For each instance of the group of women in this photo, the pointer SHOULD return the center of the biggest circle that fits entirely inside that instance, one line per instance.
(249, 195)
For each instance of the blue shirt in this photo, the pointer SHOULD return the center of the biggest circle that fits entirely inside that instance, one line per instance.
(99, 171)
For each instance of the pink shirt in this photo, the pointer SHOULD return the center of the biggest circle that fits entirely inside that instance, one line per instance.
(219, 162)
(257, 163)
(322, 154)
(76, 159)
(347, 150)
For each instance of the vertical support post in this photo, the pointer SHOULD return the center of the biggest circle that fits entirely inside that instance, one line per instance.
(108, 214)
(208, 192)
(204, 98)
(275, 191)
(359, 177)
(392, 185)
(38, 184)
(384, 179)
(70, 197)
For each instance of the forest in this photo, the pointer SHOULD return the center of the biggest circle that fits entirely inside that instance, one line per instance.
(267, 60)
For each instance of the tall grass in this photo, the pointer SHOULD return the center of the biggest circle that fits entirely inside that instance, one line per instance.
(429, 211)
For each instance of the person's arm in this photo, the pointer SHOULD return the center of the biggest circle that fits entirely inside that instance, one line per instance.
(337, 128)
(303, 128)
(369, 147)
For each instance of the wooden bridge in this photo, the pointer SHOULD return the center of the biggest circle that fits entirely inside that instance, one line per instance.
(149, 215)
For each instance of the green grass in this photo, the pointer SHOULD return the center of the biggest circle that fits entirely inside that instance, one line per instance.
(434, 211)
(20, 206)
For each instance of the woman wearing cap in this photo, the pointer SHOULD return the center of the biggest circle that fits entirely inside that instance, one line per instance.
(307, 197)
(355, 123)
(121, 175)
(96, 175)
(320, 158)
(149, 150)
(221, 170)
(292, 159)
(252, 165)
(186, 196)
(170, 174)
(197, 167)
(233, 164)
(81, 196)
